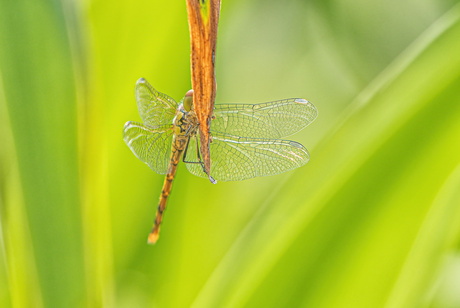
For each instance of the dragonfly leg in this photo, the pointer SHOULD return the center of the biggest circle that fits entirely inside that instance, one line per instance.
(202, 165)
(199, 157)
(196, 162)
(186, 133)
(185, 154)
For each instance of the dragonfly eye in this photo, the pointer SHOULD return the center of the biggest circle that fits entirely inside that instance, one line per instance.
(188, 100)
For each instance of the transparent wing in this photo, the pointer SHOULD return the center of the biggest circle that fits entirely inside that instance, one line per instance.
(268, 120)
(152, 145)
(236, 158)
(155, 108)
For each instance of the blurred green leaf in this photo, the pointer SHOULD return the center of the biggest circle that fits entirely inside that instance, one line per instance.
(38, 83)
(436, 240)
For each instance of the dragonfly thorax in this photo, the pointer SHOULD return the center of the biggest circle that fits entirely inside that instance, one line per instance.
(185, 122)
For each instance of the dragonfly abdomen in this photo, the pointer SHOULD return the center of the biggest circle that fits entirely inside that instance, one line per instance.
(176, 154)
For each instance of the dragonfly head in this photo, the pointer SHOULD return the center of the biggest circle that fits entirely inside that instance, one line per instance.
(188, 100)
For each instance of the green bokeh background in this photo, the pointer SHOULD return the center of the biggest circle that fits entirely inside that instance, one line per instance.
(373, 220)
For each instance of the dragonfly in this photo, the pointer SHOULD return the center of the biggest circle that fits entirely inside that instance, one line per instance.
(244, 139)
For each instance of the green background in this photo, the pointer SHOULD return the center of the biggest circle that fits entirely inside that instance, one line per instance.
(373, 220)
